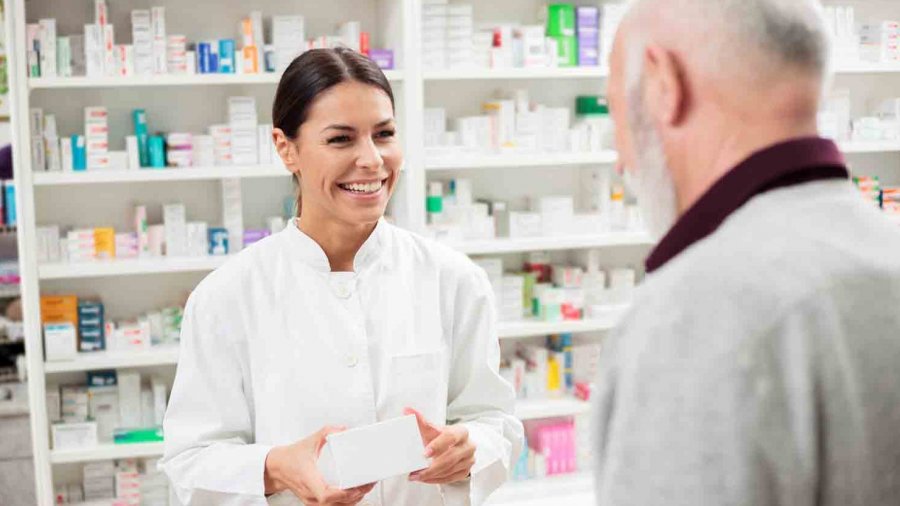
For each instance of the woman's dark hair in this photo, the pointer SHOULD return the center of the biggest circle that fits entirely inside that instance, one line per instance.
(314, 72)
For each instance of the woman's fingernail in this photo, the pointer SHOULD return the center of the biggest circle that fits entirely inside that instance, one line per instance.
(429, 451)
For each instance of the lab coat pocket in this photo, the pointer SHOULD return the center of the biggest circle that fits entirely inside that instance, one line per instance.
(419, 381)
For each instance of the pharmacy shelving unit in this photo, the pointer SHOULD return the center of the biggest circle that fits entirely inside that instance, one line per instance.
(192, 102)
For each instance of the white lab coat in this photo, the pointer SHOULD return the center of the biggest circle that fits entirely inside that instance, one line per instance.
(275, 346)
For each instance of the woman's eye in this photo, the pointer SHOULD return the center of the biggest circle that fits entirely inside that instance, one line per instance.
(340, 139)
(385, 134)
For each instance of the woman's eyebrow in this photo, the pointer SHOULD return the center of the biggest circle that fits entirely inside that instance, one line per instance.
(343, 128)
(348, 128)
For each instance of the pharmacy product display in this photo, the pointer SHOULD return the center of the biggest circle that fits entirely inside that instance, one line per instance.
(856, 40)
(542, 291)
(556, 370)
(120, 482)
(570, 36)
(74, 326)
(155, 51)
(835, 121)
(110, 407)
(176, 236)
(513, 124)
(239, 140)
(456, 215)
(886, 198)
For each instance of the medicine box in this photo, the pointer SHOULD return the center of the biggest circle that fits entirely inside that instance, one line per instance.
(73, 436)
(372, 453)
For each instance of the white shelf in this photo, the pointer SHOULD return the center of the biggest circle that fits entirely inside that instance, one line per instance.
(469, 161)
(115, 360)
(469, 74)
(867, 68)
(507, 245)
(107, 451)
(102, 268)
(575, 489)
(852, 147)
(514, 330)
(533, 409)
(38, 83)
(152, 175)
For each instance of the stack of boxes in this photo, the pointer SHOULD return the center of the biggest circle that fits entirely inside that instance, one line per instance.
(242, 119)
(175, 222)
(178, 61)
(288, 39)
(434, 34)
(160, 43)
(610, 19)
(880, 42)
(99, 481)
(121, 482)
(179, 149)
(142, 40)
(548, 292)
(96, 129)
(447, 34)
(588, 29)
(841, 24)
(561, 29)
(233, 214)
(91, 326)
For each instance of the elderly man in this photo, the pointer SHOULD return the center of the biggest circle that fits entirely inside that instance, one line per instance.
(761, 361)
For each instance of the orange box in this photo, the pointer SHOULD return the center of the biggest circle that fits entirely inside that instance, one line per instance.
(105, 243)
(59, 309)
(251, 60)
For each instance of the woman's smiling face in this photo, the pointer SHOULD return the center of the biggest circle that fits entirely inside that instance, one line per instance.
(346, 154)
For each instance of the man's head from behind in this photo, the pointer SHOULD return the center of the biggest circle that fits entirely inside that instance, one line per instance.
(696, 86)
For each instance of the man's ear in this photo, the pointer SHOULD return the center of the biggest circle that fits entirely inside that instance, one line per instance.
(665, 89)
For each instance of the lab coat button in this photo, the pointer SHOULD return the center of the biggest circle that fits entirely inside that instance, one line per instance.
(352, 361)
(342, 291)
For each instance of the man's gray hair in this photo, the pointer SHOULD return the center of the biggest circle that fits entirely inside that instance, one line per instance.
(782, 33)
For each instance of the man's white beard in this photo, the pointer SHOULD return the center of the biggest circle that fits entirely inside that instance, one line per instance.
(651, 182)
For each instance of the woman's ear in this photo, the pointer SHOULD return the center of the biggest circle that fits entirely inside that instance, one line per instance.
(287, 150)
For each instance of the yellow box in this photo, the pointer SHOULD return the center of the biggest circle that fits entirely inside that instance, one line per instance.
(105, 243)
(59, 309)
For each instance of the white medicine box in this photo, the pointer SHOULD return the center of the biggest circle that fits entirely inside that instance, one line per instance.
(372, 453)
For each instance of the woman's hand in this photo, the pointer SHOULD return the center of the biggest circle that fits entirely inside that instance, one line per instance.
(449, 446)
(293, 468)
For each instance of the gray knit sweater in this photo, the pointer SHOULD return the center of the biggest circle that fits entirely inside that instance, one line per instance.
(761, 366)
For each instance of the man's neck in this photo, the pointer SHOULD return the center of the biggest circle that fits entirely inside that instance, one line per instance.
(725, 152)
(340, 241)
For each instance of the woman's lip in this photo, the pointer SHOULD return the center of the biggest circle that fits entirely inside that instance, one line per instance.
(365, 196)
(367, 181)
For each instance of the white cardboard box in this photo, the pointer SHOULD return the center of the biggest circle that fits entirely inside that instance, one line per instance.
(373, 453)
(74, 436)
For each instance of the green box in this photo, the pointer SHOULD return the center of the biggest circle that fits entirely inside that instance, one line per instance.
(561, 20)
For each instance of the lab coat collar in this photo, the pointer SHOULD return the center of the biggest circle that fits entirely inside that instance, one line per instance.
(374, 250)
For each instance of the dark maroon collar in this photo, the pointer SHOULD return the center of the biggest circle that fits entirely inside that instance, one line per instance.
(785, 164)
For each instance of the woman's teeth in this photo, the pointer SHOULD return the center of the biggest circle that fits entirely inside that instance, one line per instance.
(363, 187)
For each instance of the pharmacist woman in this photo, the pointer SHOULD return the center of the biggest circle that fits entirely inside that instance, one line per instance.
(341, 320)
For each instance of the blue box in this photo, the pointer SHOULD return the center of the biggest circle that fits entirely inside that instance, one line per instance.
(102, 378)
(9, 203)
(218, 241)
(79, 153)
(203, 57)
(91, 340)
(226, 56)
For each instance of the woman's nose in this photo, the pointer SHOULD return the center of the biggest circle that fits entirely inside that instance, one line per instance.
(369, 156)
